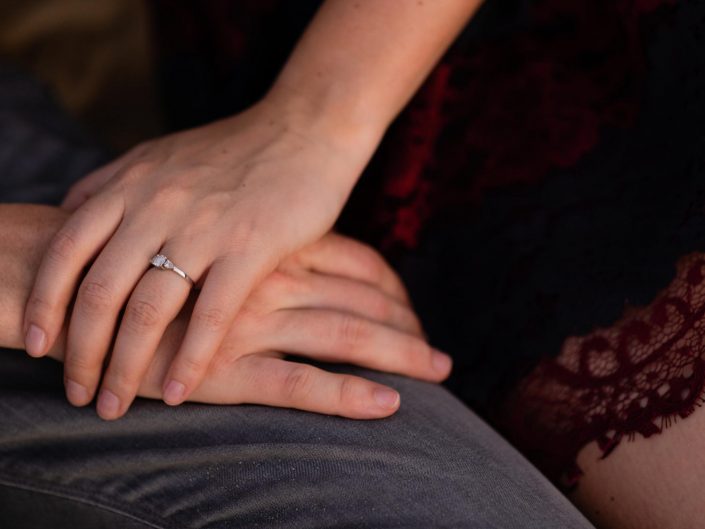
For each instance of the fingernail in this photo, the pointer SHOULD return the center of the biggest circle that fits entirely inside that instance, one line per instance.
(108, 404)
(441, 362)
(174, 393)
(386, 398)
(76, 393)
(35, 341)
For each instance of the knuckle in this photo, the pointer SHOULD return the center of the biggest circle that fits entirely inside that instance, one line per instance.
(142, 314)
(352, 330)
(137, 170)
(82, 367)
(210, 319)
(192, 366)
(246, 234)
(381, 307)
(165, 198)
(94, 296)
(63, 245)
(122, 381)
(38, 308)
(346, 392)
(298, 383)
(201, 221)
(219, 201)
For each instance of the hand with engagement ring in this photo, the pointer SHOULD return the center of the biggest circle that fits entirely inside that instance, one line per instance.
(336, 300)
(163, 262)
(226, 202)
(262, 191)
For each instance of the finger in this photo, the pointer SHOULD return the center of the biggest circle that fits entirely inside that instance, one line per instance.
(89, 185)
(266, 380)
(340, 337)
(317, 291)
(73, 246)
(341, 256)
(101, 296)
(156, 301)
(226, 287)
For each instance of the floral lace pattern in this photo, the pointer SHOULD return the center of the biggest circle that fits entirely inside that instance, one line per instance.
(635, 377)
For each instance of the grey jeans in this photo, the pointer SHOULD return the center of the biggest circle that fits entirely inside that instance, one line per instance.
(433, 464)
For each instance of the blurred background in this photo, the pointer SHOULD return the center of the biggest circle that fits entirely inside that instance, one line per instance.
(97, 58)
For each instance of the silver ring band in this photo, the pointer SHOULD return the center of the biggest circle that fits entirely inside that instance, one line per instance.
(162, 262)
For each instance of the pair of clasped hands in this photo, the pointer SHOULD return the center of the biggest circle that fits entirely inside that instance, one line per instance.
(245, 207)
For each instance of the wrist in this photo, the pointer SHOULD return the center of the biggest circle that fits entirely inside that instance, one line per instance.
(330, 115)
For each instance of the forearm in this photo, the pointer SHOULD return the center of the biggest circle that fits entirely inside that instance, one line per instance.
(359, 62)
(25, 230)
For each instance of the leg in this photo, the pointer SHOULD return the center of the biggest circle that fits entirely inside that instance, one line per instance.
(434, 464)
(643, 378)
(653, 483)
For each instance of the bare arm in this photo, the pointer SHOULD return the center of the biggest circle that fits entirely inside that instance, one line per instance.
(360, 61)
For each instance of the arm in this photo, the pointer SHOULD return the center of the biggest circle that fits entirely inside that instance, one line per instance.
(359, 62)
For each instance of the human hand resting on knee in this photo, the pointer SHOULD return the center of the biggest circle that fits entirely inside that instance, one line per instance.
(335, 300)
(228, 202)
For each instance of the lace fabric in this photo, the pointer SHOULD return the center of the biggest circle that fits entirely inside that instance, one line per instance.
(635, 377)
(644, 370)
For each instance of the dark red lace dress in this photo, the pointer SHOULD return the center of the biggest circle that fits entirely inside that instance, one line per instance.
(543, 196)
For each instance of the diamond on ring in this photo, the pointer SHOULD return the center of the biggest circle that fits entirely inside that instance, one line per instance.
(159, 260)
(162, 261)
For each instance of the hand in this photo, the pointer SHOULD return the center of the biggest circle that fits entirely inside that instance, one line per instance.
(333, 301)
(226, 203)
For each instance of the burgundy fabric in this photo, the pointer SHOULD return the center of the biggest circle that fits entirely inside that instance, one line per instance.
(509, 110)
(635, 377)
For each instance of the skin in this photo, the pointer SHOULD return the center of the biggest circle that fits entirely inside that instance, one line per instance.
(335, 300)
(227, 202)
(649, 483)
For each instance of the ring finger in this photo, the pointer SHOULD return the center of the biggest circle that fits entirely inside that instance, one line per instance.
(100, 297)
(155, 302)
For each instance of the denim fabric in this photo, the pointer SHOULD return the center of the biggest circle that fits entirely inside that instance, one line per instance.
(41, 151)
(433, 464)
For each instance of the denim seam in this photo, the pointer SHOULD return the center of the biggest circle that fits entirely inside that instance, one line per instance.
(98, 502)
